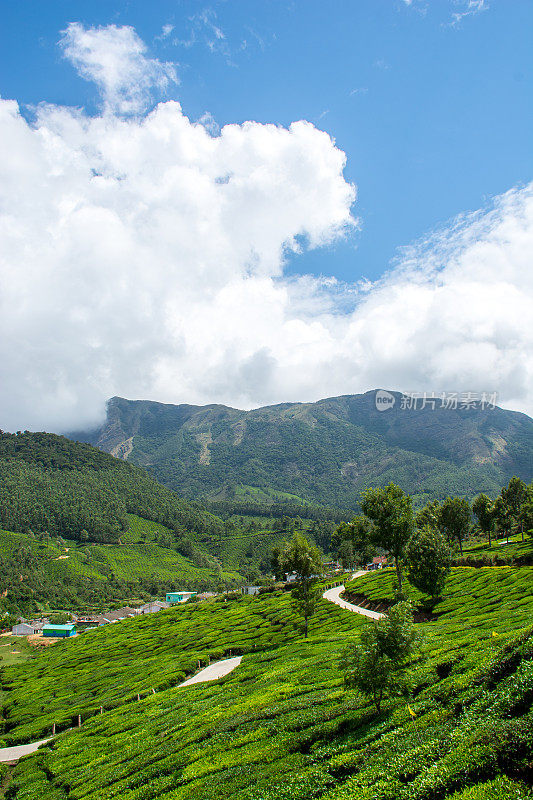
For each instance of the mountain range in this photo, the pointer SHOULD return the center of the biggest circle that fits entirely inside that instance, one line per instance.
(324, 452)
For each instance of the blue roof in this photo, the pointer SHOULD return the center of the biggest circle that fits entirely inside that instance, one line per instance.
(59, 627)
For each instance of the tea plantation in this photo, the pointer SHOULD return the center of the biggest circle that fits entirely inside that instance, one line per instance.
(282, 726)
(63, 573)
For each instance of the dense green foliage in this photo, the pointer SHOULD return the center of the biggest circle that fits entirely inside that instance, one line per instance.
(325, 452)
(49, 483)
(283, 726)
(428, 560)
(39, 572)
(375, 664)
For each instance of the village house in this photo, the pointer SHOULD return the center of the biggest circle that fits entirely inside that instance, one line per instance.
(116, 616)
(378, 562)
(179, 597)
(153, 607)
(59, 631)
(25, 628)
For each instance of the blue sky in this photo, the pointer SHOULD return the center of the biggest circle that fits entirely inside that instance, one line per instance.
(434, 114)
(215, 252)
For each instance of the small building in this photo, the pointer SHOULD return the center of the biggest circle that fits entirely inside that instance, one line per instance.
(378, 562)
(116, 616)
(250, 590)
(59, 631)
(179, 597)
(23, 629)
(153, 607)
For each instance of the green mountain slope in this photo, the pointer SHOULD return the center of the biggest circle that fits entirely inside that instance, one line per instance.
(39, 574)
(83, 528)
(50, 483)
(282, 726)
(324, 452)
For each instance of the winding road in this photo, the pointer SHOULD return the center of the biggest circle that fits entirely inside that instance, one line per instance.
(210, 673)
(334, 596)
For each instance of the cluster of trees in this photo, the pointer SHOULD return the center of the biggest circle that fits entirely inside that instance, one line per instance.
(424, 542)
(66, 488)
(511, 510)
(249, 508)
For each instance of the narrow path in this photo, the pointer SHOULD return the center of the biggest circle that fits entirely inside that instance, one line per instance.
(334, 596)
(210, 673)
(213, 671)
(8, 754)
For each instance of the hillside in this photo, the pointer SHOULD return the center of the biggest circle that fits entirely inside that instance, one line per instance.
(83, 528)
(324, 452)
(282, 726)
(39, 574)
(50, 483)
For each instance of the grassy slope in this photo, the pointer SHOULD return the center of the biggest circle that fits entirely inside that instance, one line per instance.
(501, 551)
(140, 557)
(472, 597)
(110, 665)
(281, 727)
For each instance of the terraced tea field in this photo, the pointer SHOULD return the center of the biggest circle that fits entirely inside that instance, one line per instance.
(110, 666)
(282, 726)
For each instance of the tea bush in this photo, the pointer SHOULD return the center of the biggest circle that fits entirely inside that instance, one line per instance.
(282, 726)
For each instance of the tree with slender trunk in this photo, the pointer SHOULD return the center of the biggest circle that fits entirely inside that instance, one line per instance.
(514, 495)
(484, 512)
(455, 518)
(303, 559)
(391, 513)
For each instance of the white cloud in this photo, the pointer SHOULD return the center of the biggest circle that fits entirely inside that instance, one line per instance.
(467, 8)
(460, 9)
(115, 59)
(144, 257)
(166, 30)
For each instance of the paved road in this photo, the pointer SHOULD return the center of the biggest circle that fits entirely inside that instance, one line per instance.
(14, 753)
(214, 671)
(334, 596)
(210, 673)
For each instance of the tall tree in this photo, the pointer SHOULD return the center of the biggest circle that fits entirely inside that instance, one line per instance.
(455, 518)
(429, 516)
(482, 507)
(276, 564)
(304, 559)
(346, 554)
(526, 512)
(514, 495)
(428, 561)
(391, 513)
(359, 533)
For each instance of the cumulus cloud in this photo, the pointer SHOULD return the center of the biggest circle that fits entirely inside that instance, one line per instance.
(114, 57)
(145, 257)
